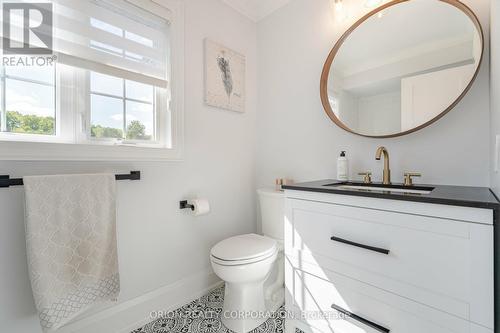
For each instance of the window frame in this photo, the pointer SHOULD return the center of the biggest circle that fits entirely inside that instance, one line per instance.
(76, 146)
(58, 135)
(159, 96)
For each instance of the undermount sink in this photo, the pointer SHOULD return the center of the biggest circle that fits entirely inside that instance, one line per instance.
(382, 188)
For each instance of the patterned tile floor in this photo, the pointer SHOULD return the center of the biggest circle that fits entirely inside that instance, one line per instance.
(203, 316)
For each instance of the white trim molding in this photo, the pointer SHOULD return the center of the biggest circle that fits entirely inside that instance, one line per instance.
(40, 151)
(135, 313)
(256, 10)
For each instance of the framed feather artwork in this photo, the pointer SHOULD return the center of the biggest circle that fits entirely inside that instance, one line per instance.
(224, 77)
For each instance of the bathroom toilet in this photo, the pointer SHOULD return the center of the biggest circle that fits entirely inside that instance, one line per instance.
(252, 267)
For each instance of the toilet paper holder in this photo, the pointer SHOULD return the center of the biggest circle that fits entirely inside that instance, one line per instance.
(184, 205)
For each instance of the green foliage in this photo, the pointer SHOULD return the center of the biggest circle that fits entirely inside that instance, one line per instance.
(97, 131)
(31, 124)
(137, 131)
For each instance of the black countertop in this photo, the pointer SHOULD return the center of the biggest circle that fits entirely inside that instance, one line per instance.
(477, 197)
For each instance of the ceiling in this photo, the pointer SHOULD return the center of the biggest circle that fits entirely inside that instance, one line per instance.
(256, 10)
(403, 30)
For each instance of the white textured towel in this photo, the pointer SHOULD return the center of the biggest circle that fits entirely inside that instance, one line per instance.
(71, 244)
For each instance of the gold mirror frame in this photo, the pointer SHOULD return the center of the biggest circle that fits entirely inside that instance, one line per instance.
(329, 61)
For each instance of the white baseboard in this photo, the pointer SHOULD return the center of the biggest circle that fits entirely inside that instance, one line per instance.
(134, 313)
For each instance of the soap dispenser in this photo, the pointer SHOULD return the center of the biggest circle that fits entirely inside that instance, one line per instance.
(342, 167)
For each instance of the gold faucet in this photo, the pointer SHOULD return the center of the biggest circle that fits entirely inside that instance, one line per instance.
(387, 171)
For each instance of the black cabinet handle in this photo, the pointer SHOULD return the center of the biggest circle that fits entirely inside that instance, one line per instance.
(367, 322)
(366, 247)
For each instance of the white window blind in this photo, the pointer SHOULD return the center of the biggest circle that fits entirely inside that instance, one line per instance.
(113, 37)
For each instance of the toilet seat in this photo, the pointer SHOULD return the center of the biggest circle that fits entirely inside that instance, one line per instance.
(243, 250)
(222, 262)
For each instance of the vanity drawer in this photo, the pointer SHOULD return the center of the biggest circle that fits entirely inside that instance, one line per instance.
(446, 264)
(350, 306)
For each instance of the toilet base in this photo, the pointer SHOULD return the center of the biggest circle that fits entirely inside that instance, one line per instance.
(244, 307)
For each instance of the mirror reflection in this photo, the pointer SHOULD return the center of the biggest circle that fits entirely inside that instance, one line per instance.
(403, 67)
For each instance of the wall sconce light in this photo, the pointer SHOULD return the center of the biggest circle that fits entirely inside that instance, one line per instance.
(340, 10)
(339, 5)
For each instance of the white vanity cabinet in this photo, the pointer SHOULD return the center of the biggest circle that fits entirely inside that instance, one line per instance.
(362, 265)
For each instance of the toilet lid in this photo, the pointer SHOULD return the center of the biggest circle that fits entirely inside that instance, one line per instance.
(244, 247)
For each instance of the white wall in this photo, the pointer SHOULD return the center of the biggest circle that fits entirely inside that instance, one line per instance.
(495, 89)
(158, 244)
(348, 109)
(295, 137)
(380, 114)
(495, 128)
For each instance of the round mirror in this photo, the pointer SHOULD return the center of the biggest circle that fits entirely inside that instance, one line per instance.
(402, 67)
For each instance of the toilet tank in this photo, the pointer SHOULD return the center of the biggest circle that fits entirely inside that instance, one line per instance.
(272, 209)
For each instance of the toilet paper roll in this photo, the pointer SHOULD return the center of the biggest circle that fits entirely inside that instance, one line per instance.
(201, 206)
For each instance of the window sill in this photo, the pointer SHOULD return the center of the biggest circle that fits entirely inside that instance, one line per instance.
(41, 151)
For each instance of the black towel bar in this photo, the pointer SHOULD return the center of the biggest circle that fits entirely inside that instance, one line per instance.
(6, 181)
